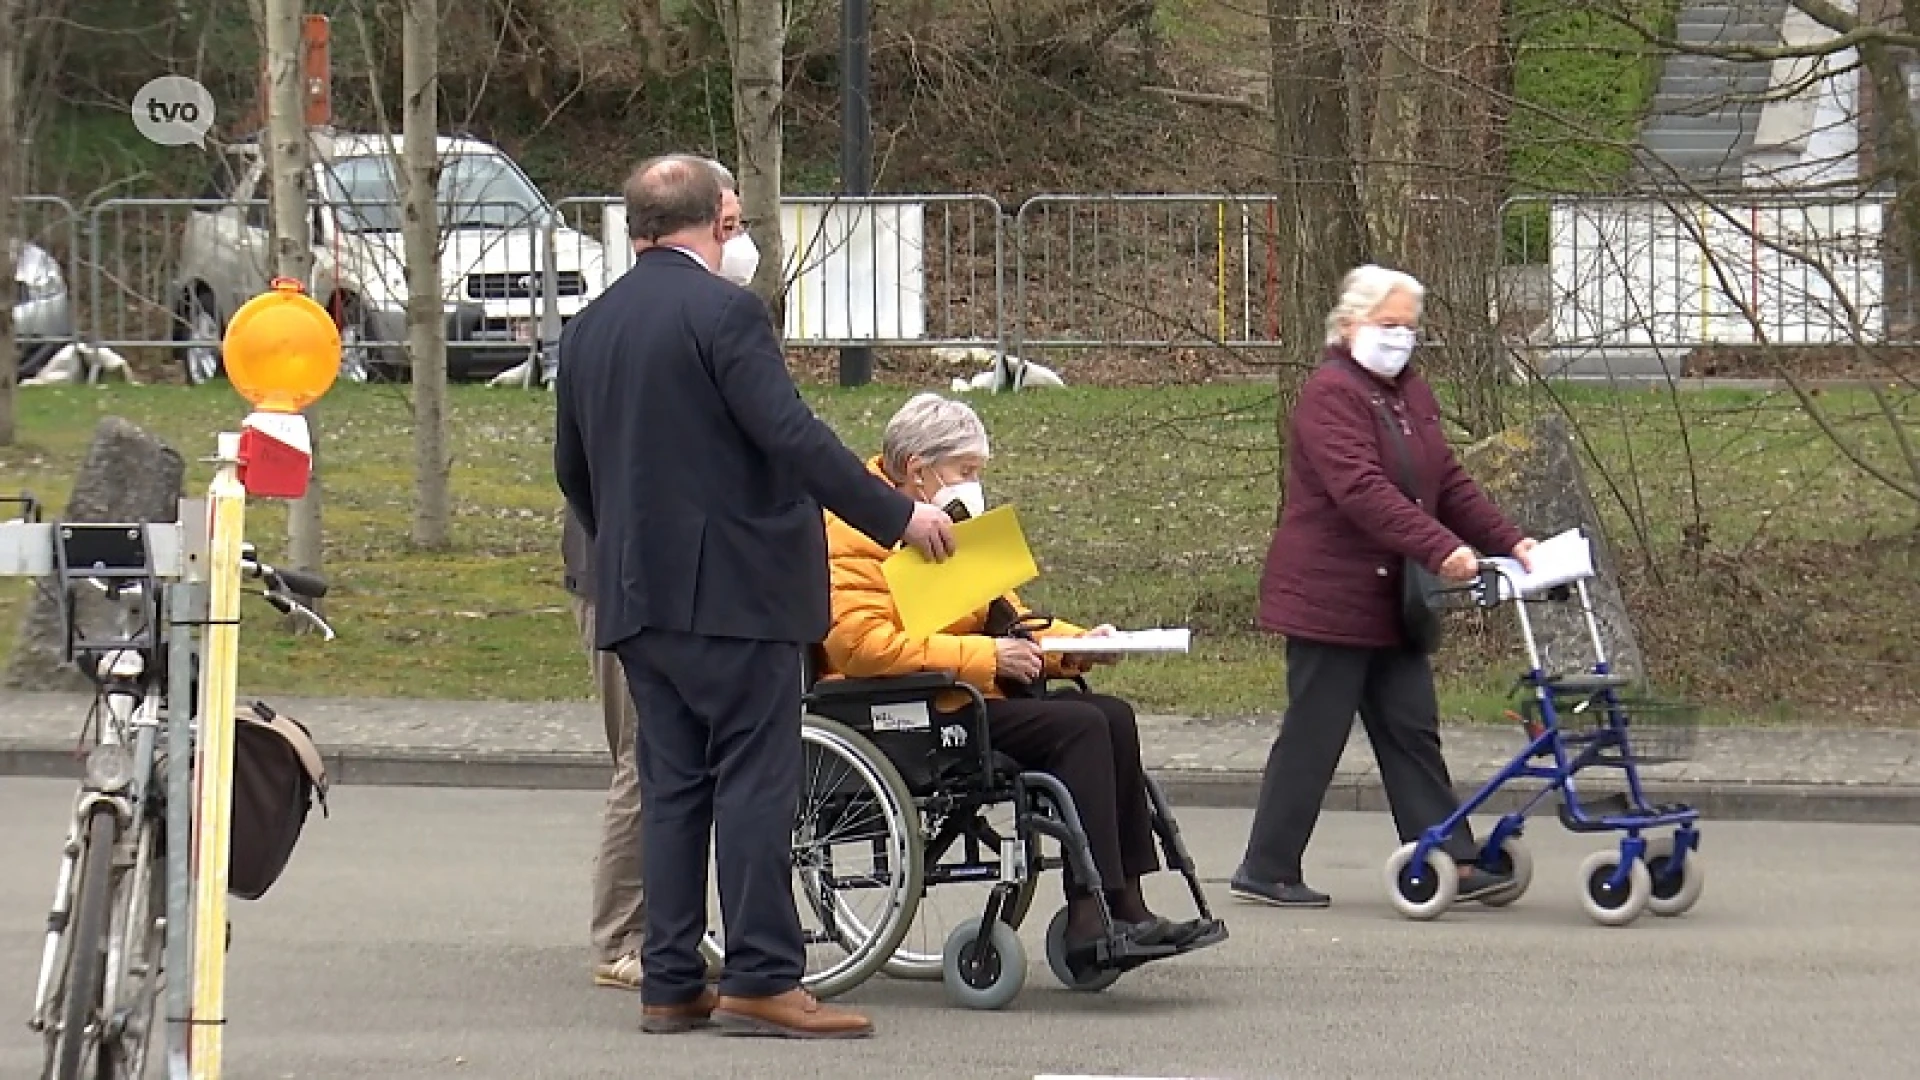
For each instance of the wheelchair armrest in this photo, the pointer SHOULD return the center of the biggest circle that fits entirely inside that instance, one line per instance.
(891, 686)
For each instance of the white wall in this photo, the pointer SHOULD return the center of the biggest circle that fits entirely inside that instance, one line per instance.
(855, 271)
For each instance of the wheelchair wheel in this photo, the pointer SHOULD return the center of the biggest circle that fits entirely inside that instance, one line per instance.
(1090, 982)
(856, 857)
(1673, 894)
(1514, 860)
(1613, 906)
(967, 842)
(1422, 892)
(990, 980)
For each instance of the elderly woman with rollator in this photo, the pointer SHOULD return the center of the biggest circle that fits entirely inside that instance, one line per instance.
(1374, 495)
(934, 450)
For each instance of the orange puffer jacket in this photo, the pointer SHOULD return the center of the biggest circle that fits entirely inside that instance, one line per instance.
(866, 641)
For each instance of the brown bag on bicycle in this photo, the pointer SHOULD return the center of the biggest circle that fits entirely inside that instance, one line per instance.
(277, 773)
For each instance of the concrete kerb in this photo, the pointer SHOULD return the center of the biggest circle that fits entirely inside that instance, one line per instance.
(1235, 789)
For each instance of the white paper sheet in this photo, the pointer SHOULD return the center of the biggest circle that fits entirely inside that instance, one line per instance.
(1557, 560)
(1123, 641)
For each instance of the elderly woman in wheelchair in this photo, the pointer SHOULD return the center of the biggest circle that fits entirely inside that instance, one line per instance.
(1077, 751)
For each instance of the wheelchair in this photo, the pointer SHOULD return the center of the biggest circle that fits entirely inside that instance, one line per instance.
(897, 800)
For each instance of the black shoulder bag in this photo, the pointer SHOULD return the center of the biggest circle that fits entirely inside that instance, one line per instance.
(1419, 615)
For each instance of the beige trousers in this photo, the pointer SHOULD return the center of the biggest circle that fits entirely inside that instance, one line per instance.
(619, 902)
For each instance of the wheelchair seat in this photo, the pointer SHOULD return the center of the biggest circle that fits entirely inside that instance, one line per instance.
(935, 754)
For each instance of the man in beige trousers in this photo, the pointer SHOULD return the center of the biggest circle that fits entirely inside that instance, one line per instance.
(619, 901)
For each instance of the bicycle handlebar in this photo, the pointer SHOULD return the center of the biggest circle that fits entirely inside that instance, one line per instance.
(285, 588)
(304, 582)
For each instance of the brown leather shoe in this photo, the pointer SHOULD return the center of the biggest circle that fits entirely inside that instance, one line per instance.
(792, 1015)
(675, 1019)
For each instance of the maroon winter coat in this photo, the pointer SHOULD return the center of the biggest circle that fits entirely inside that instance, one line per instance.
(1333, 569)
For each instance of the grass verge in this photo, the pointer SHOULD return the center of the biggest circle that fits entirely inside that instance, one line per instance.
(1145, 507)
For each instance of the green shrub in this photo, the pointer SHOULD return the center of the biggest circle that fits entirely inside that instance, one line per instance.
(1583, 82)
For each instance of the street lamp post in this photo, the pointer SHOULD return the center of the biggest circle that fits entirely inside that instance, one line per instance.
(856, 146)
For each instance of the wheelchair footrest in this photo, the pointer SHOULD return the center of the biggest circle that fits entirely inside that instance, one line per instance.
(1213, 934)
(1116, 953)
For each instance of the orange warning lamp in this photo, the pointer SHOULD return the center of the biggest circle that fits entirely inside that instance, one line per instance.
(282, 353)
(282, 350)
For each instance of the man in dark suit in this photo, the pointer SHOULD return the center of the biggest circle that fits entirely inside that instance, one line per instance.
(689, 456)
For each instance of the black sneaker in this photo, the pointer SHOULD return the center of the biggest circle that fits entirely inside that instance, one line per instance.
(1479, 884)
(1276, 894)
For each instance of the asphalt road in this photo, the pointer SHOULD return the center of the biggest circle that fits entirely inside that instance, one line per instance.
(438, 933)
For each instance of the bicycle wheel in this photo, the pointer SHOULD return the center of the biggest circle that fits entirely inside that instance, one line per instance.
(86, 950)
(136, 957)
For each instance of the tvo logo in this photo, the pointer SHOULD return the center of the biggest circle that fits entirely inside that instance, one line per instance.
(173, 110)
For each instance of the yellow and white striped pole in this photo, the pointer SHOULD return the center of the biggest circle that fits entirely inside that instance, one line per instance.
(219, 683)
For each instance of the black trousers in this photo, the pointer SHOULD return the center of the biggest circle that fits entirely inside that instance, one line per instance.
(1392, 690)
(1091, 744)
(719, 755)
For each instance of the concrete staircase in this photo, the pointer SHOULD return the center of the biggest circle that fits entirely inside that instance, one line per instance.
(1705, 110)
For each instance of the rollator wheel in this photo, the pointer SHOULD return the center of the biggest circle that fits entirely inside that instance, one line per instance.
(1091, 982)
(997, 975)
(1515, 860)
(1613, 906)
(1426, 891)
(1673, 894)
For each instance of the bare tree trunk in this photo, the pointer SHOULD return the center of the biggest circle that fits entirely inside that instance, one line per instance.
(426, 324)
(288, 170)
(647, 30)
(1455, 239)
(12, 30)
(756, 40)
(1395, 139)
(1320, 225)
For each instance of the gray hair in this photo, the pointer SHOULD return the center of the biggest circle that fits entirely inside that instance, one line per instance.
(1362, 292)
(726, 177)
(931, 428)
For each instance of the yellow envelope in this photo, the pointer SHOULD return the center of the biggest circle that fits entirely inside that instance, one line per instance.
(990, 557)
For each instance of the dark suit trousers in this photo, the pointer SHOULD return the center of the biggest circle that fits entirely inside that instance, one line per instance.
(719, 753)
(1091, 744)
(1392, 690)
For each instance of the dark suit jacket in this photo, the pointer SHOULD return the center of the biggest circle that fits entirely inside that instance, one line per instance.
(688, 455)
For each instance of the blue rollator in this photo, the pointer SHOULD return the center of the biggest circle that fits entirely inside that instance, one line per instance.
(1574, 721)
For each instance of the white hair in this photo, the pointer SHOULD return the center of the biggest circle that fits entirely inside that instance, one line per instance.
(1362, 292)
(933, 429)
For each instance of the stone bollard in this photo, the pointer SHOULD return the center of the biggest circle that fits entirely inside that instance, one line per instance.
(128, 476)
(1535, 476)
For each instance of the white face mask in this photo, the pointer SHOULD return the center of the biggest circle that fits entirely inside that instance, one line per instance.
(739, 259)
(1383, 350)
(968, 494)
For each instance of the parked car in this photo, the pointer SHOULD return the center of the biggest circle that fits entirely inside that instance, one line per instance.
(42, 307)
(492, 225)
